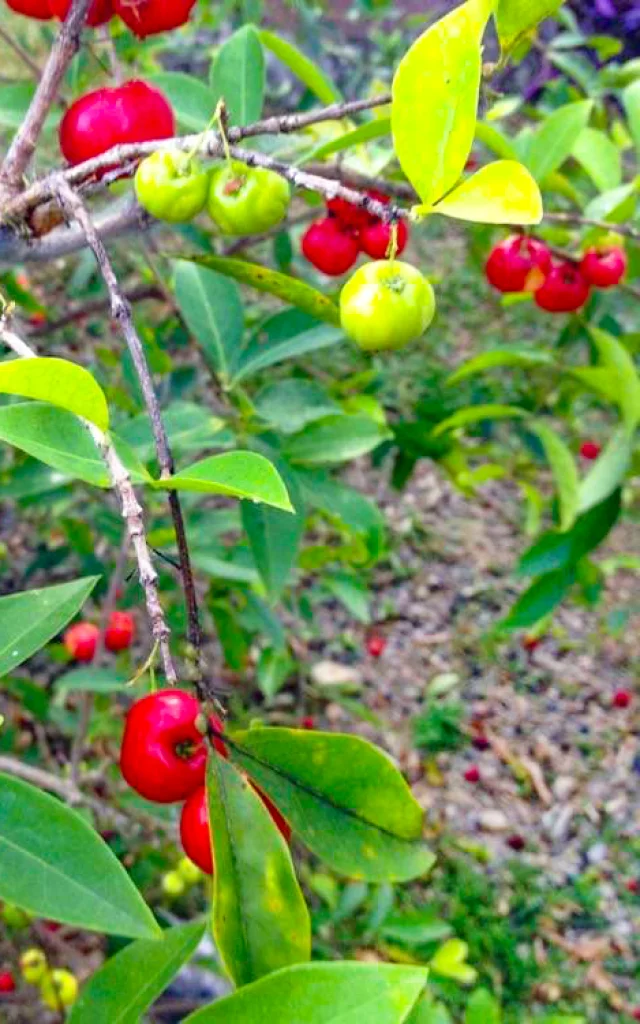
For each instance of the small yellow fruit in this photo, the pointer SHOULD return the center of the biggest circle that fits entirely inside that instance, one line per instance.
(33, 965)
(59, 988)
(14, 917)
(173, 884)
(188, 871)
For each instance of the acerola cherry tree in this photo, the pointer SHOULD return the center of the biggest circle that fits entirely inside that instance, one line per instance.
(246, 792)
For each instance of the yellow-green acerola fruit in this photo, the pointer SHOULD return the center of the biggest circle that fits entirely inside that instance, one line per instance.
(173, 884)
(188, 871)
(59, 988)
(247, 200)
(385, 305)
(33, 965)
(172, 186)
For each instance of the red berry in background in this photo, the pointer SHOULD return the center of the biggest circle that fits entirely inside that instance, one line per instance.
(163, 755)
(472, 774)
(7, 982)
(330, 246)
(512, 261)
(148, 17)
(622, 698)
(81, 641)
(375, 238)
(636, 1014)
(100, 12)
(308, 722)
(564, 289)
(133, 112)
(516, 842)
(120, 631)
(376, 645)
(604, 268)
(481, 742)
(39, 9)
(633, 886)
(38, 319)
(530, 642)
(590, 450)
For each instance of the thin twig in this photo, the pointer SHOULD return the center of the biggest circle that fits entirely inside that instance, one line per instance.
(140, 293)
(580, 220)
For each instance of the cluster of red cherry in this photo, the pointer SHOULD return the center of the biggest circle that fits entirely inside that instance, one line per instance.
(81, 640)
(164, 758)
(143, 17)
(333, 242)
(520, 264)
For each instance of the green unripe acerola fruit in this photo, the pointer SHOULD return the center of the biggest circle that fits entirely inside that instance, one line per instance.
(247, 200)
(173, 884)
(385, 305)
(188, 871)
(14, 917)
(172, 186)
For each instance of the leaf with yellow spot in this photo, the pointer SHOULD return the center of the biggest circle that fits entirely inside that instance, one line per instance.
(260, 919)
(503, 192)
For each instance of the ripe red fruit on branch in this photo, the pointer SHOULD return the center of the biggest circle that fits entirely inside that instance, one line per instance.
(133, 112)
(148, 17)
(163, 755)
(376, 645)
(590, 450)
(622, 698)
(330, 246)
(100, 12)
(349, 215)
(39, 9)
(81, 641)
(120, 631)
(604, 268)
(375, 238)
(564, 289)
(512, 261)
(472, 774)
(7, 982)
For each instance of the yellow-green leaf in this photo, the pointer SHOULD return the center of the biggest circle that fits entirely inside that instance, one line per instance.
(503, 192)
(58, 382)
(435, 100)
(514, 18)
(302, 67)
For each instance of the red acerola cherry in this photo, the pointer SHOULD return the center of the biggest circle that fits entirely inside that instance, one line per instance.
(7, 982)
(564, 289)
(133, 112)
(636, 1014)
(376, 645)
(330, 246)
(604, 268)
(512, 261)
(81, 641)
(100, 12)
(481, 742)
(39, 9)
(472, 774)
(375, 238)
(148, 17)
(352, 216)
(633, 886)
(530, 642)
(590, 450)
(516, 842)
(308, 722)
(622, 698)
(163, 755)
(120, 631)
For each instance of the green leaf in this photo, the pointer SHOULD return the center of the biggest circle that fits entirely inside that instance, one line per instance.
(516, 18)
(89, 680)
(450, 961)
(212, 309)
(274, 538)
(302, 67)
(554, 141)
(259, 355)
(58, 382)
(30, 619)
(477, 413)
(343, 798)
(538, 600)
(189, 427)
(436, 86)
(482, 1008)
(238, 76)
(54, 865)
(600, 158)
(294, 292)
(55, 437)
(336, 439)
(500, 193)
(375, 129)
(609, 470)
(615, 357)
(494, 140)
(260, 919)
(290, 405)
(191, 100)
(562, 550)
(351, 508)
(565, 472)
(615, 206)
(498, 358)
(631, 102)
(238, 474)
(124, 988)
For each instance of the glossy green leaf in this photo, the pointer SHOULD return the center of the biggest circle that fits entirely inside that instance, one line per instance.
(289, 405)
(556, 550)
(554, 141)
(294, 292)
(503, 192)
(302, 67)
(428, 1012)
(477, 413)
(494, 140)
(631, 102)
(538, 600)
(191, 100)
(346, 505)
(260, 919)
(58, 382)
(55, 866)
(343, 798)
(124, 988)
(30, 619)
(516, 18)
(322, 993)
(55, 437)
(609, 470)
(524, 358)
(600, 158)
(336, 439)
(238, 474)
(450, 961)
(274, 537)
(259, 355)
(615, 357)
(615, 206)
(374, 129)
(436, 86)
(482, 1008)
(212, 310)
(238, 76)
(189, 427)
(564, 470)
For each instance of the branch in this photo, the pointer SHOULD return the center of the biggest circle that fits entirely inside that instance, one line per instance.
(131, 513)
(26, 138)
(577, 218)
(140, 293)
